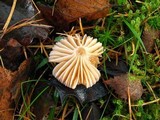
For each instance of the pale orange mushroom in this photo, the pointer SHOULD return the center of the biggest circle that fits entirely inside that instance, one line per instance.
(78, 58)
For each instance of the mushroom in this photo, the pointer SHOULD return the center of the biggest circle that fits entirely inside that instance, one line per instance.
(78, 58)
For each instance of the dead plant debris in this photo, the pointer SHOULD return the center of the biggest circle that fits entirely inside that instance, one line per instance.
(121, 84)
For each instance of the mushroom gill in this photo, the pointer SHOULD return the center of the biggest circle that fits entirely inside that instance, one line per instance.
(78, 58)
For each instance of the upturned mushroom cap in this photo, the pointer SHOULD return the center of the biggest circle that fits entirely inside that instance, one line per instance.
(77, 59)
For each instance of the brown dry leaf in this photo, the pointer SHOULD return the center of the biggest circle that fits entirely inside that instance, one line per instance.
(55, 20)
(12, 54)
(8, 81)
(149, 36)
(74, 9)
(67, 11)
(121, 83)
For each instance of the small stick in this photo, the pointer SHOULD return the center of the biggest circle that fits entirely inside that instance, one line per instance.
(1, 61)
(129, 104)
(64, 111)
(103, 22)
(147, 103)
(81, 27)
(151, 90)
(80, 116)
(25, 53)
(9, 17)
(53, 8)
(87, 117)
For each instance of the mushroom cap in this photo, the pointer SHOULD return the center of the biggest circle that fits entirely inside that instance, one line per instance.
(77, 59)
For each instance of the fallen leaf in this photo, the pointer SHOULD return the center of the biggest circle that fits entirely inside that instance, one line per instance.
(71, 10)
(82, 93)
(121, 84)
(12, 55)
(67, 11)
(9, 83)
(149, 36)
(56, 20)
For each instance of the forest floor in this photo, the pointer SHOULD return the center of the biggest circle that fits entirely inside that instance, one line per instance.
(129, 86)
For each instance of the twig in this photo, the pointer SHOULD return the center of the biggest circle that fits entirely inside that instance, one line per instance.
(38, 46)
(64, 111)
(38, 11)
(25, 53)
(147, 103)
(53, 8)
(9, 17)
(73, 32)
(79, 111)
(151, 90)
(81, 27)
(1, 49)
(87, 117)
(1, 60)
(129, 104)
(28, 23)
(103, 22)
(69, 111)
